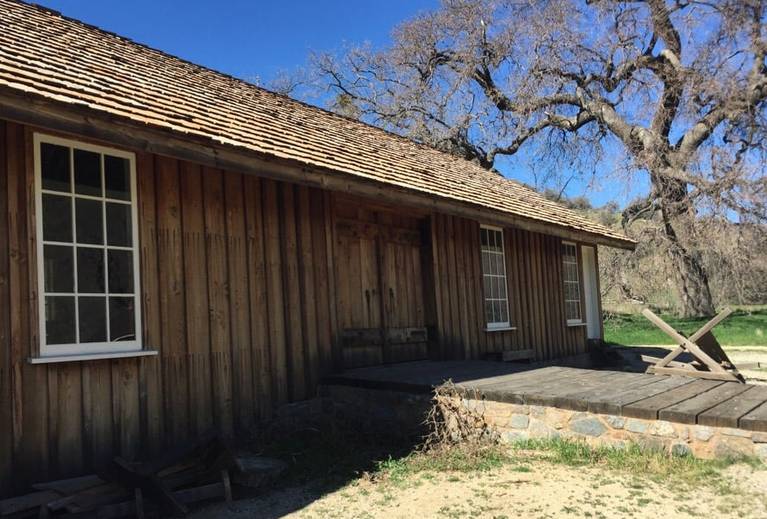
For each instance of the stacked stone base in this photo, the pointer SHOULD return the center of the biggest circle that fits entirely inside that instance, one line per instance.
(404, 413)
(516, 422)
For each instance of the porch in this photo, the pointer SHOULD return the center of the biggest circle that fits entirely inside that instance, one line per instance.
(684, 415)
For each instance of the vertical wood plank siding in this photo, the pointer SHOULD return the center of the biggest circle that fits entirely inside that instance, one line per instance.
(243, 289)
(227, 262)
(536, 299)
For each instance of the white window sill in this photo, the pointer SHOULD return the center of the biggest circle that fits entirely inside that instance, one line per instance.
(576, 323)
(91, 356)
(501, 329)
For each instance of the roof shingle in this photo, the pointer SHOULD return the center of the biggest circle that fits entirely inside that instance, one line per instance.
(46, 54)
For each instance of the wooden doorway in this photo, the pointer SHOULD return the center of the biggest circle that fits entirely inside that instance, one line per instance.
(379, 285)
(591, 293)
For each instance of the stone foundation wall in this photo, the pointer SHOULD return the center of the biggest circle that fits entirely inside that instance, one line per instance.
(404, 413)
(516, 422)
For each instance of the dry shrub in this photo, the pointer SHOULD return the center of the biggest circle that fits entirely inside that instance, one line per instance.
(451, 423)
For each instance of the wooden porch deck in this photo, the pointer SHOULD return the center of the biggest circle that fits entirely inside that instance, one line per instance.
(635, 395)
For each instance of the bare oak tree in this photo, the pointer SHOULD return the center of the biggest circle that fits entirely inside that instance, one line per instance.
(678, 87)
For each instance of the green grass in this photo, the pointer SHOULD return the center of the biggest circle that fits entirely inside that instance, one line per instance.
(637, 461)
(454, 459)
(742, 328)
(632, 459)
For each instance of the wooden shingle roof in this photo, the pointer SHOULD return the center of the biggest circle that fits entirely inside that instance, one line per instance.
(45, 54)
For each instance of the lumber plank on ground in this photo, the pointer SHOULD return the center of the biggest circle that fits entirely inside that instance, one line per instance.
(70, 486)
(31, 501)
(152, 486)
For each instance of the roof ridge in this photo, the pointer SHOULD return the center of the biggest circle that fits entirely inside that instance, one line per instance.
(248, 84)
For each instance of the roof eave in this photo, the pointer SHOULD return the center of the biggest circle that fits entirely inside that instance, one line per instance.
(78, 119)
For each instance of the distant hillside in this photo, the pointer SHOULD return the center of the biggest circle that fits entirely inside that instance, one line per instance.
(734, 256)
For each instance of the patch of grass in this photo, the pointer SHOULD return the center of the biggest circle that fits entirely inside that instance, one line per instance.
(741, 328)
(453, 459)
(633, 459)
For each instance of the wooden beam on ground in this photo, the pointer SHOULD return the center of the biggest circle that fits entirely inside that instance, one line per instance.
(683, 341)
(723, 375)
(127, 474)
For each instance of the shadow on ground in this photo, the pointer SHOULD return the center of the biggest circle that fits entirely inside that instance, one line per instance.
(320, 460)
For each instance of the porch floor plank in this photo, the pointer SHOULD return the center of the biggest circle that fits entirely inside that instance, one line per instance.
(637, 395)
(728, 413)
(688, 411)
(648, 408)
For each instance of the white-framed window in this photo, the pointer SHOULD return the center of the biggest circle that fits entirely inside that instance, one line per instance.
(494, 277)
(572, 284)
(87, 248)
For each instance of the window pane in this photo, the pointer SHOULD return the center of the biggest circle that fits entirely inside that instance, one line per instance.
(59, 320)
(59, 269)
(122, 319)
(504, 315)
(93, 319)
(573, 311)
(498, 264)
(120, 272)
(54, 167)
(87, 173)
(483, 237)
(498, 241)
(488, 311)
(117, 177)
(119, 226)
(90, 271)
(90, 222)
(57, 218)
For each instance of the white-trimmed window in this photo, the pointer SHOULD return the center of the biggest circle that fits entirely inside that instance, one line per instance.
(494, 278)
(87, 243)
(572, 284)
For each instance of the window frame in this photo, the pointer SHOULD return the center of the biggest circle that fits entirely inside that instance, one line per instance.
(104, 349)
(496, 325)
(579, 320)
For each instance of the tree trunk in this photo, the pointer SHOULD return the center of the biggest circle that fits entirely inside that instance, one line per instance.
(691, 279)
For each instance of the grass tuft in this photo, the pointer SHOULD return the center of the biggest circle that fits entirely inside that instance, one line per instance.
(456, 458)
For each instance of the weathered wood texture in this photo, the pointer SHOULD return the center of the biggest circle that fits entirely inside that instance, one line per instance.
(534, 277)
(227, 263)
(247, 286)
(380, 284)
(635, 395)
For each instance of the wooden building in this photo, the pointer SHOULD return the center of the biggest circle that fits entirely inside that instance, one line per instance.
(180, 249)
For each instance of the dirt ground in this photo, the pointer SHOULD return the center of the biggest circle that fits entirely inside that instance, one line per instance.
(534, 490)
(746, 358)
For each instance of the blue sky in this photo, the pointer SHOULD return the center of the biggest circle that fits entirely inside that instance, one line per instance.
(258, 39)
(245, 38)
